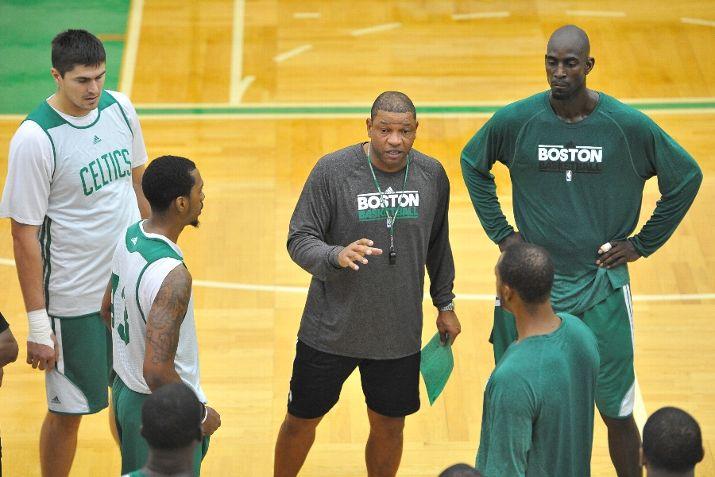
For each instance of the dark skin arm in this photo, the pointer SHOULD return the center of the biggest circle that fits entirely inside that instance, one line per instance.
(106, 310)
(621, 252)
(162, 328)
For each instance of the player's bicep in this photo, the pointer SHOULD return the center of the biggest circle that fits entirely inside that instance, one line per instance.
(165, 317)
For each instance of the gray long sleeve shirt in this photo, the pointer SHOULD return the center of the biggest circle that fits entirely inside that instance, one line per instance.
(375, 312)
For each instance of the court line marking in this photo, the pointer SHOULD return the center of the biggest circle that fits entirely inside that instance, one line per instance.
(306, 15)
(375, 29)
(460, 296)
(697, 21)
(595, 13)
(131, 47)
(479, 15)
(280, 58)
(237, 85)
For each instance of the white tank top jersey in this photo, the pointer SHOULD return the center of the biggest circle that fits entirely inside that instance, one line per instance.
(141, 263)
(73, 178)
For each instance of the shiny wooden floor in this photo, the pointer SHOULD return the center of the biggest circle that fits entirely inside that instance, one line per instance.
(254, 170)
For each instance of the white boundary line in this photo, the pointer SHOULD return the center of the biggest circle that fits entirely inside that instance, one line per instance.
(280, 58)
(462, 297)
(375, 29)
(479, 15)
(306, 15)
(129, 59)
(595, 13)
(237, 84)
(697, 21)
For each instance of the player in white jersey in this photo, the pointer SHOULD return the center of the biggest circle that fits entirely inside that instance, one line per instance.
(73, 186)
(149, 306)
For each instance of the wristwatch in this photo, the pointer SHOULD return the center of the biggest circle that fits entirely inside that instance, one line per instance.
(447, 307)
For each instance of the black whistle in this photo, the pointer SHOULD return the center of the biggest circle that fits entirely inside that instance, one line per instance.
(392, 257)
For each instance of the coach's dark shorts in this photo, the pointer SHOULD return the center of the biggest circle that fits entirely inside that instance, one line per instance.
(391, 386)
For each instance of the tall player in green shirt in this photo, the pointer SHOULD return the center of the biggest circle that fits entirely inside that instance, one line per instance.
(578, 161)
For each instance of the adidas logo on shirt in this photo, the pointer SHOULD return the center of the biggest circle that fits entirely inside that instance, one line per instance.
(96, 140)
(56, 400)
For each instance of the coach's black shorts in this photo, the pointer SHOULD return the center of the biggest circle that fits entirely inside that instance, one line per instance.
(391, 386)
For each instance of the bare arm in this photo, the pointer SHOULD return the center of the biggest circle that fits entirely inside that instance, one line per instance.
(41, 349)
(8, 348)
(162, 328)
(137, 174)
(28, 259)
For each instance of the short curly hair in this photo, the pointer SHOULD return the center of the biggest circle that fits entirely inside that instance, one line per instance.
(672, 440)
(167, 178)
(528, 269)
(171, 417)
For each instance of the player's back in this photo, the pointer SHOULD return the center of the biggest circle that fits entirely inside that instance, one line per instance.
(549, 381)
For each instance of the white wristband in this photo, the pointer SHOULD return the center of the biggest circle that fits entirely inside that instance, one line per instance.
(39, 328)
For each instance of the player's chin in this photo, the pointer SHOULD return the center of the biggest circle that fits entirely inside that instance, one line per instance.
(195, 223)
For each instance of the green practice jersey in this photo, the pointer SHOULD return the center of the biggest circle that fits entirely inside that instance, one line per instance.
(537, 419)
(578, 185)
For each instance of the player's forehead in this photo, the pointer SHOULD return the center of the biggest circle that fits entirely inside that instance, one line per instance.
(389, 118)
(86, 71)
(198, 180)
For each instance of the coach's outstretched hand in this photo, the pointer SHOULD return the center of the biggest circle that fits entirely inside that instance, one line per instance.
(356, 252)
(212, 422)
(447, 323)
(621, 252)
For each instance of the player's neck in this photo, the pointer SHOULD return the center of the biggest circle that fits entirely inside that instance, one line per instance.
(63, 105)
(177, 462)
(575, 108)
(535, 320)
(163, 225)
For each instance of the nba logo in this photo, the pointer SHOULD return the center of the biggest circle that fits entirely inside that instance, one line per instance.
(569, 176)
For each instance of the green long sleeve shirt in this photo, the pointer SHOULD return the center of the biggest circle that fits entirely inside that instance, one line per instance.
(537, 419)
(578, 185)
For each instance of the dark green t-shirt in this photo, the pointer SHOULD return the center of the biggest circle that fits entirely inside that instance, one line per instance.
(537, 419)
(578, 185)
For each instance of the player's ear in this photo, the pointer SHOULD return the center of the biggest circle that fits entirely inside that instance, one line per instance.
(590, 63)
(56, 75)
(181, 203)
(368, 123)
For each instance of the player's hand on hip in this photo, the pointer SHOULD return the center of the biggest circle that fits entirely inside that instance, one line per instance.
(510, 240)
(43, 356)
(615, 253)
(448, 324)
(212, 422)
(355, 253)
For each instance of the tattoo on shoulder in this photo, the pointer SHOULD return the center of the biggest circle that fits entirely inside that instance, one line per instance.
(167, 313)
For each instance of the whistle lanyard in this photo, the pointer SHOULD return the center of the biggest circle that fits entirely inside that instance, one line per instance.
(383, 202)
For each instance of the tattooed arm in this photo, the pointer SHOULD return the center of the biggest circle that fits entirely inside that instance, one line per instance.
(162, 328)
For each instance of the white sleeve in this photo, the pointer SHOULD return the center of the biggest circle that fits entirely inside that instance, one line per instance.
(29, 175)
(152, 280)
(140, 155)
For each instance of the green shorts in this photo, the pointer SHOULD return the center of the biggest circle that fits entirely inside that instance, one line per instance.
(611, 321)
(128, 414)
(78, 384)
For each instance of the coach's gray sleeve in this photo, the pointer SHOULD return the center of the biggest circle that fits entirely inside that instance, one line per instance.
(440, 263)
(309, 226)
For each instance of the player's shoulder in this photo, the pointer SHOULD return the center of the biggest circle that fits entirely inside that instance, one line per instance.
(30, 131)
(579, 333)
(521, 110)
(122, 99)
(625, 115)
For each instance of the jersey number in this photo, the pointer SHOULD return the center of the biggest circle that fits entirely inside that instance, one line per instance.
(123, 328)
